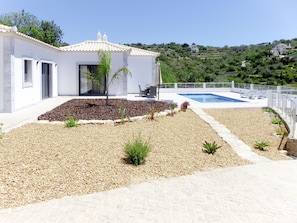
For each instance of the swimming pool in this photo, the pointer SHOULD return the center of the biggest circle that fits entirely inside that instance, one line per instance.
(210, 98)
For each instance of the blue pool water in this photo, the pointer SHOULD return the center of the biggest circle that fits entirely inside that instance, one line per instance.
(210, 98)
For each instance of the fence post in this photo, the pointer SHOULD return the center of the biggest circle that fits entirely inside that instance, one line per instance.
(269, 99)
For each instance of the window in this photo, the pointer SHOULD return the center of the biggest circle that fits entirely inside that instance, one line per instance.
(27, 73)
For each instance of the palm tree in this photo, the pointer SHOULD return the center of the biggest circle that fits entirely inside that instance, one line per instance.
(104, 70)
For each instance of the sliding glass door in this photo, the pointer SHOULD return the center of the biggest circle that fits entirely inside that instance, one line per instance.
(87, 86)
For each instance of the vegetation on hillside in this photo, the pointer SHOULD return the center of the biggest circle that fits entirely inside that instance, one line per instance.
(179, 63)
(242, 64)
(46, 31)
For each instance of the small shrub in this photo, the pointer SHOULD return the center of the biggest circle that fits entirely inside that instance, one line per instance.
(137, 151)
(1, 133)
(185, 105)
(282, 132)
(268, 110)
(171, 106)
(210, 148)
(122, 114)
(71, 121)
(277, 121)
(261, 145)
(152, 113)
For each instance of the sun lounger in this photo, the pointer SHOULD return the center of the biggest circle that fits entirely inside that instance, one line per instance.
(254, 94)
(261, 94)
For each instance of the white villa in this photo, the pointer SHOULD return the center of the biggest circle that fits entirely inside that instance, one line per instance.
(31, 70)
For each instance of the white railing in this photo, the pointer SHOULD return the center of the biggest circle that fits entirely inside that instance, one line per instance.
(285, 105)
(197, 85)
(217, 85)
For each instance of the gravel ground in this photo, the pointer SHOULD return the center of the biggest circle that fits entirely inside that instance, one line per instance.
(39, 162)
(251, 125)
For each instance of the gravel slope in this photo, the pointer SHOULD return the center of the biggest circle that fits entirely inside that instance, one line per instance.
(251, 125)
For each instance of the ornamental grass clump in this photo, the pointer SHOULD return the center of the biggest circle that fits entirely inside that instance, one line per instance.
(152, 114)
(1, 133)
(137, 151)
(71, 121)
(122, 114)
(171, 106)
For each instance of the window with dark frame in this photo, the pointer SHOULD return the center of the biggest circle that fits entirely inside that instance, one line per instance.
(27, 71)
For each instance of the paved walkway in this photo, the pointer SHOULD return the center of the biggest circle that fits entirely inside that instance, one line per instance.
(262, 192)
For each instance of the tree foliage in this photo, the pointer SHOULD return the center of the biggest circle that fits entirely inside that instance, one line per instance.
(46, 31)
(246, 64)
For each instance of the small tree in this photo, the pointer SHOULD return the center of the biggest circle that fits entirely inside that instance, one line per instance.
(104, 70)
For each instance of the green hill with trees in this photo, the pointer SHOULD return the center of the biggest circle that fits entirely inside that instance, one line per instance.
(265, 63)
(243, 64)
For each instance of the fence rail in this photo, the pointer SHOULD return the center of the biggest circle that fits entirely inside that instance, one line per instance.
(197, 85)
(285, 105)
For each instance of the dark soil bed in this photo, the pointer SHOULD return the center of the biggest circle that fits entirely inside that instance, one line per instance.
(95, 109)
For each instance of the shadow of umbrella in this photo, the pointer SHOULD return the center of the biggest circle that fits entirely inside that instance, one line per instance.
(158, 77)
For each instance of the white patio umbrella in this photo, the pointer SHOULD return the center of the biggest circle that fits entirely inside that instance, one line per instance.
(158, 77)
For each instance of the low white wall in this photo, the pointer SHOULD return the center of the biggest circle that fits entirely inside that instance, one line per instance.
(193, 90)
(1, 76)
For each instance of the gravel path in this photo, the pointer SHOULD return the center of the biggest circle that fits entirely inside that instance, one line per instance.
(45, 161)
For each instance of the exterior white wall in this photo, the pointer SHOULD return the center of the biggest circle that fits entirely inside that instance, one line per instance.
(118, 86)
(26, 96)
(68, 71)
(64, 75)
(1, 75)
(142, 69)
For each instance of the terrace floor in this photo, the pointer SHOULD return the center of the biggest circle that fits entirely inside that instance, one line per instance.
(262, 192)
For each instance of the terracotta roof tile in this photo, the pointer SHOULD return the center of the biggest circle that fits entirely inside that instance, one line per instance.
(88, 46)
(94, 46)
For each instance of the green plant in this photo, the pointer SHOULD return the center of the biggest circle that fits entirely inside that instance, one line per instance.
(122, 114)
(210, 148)
(281, 131)
(1, 133)
(152, 113)
(185, 105)
(261, 145)
(171, 106)
(277, 121)
(71, 121)
(268, 110)
(137, 151)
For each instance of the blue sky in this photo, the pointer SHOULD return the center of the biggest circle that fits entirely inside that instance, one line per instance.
(203, 22)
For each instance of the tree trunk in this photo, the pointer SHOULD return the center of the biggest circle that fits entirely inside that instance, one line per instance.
(106, 101)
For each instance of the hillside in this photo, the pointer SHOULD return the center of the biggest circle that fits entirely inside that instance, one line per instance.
(247, 64)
